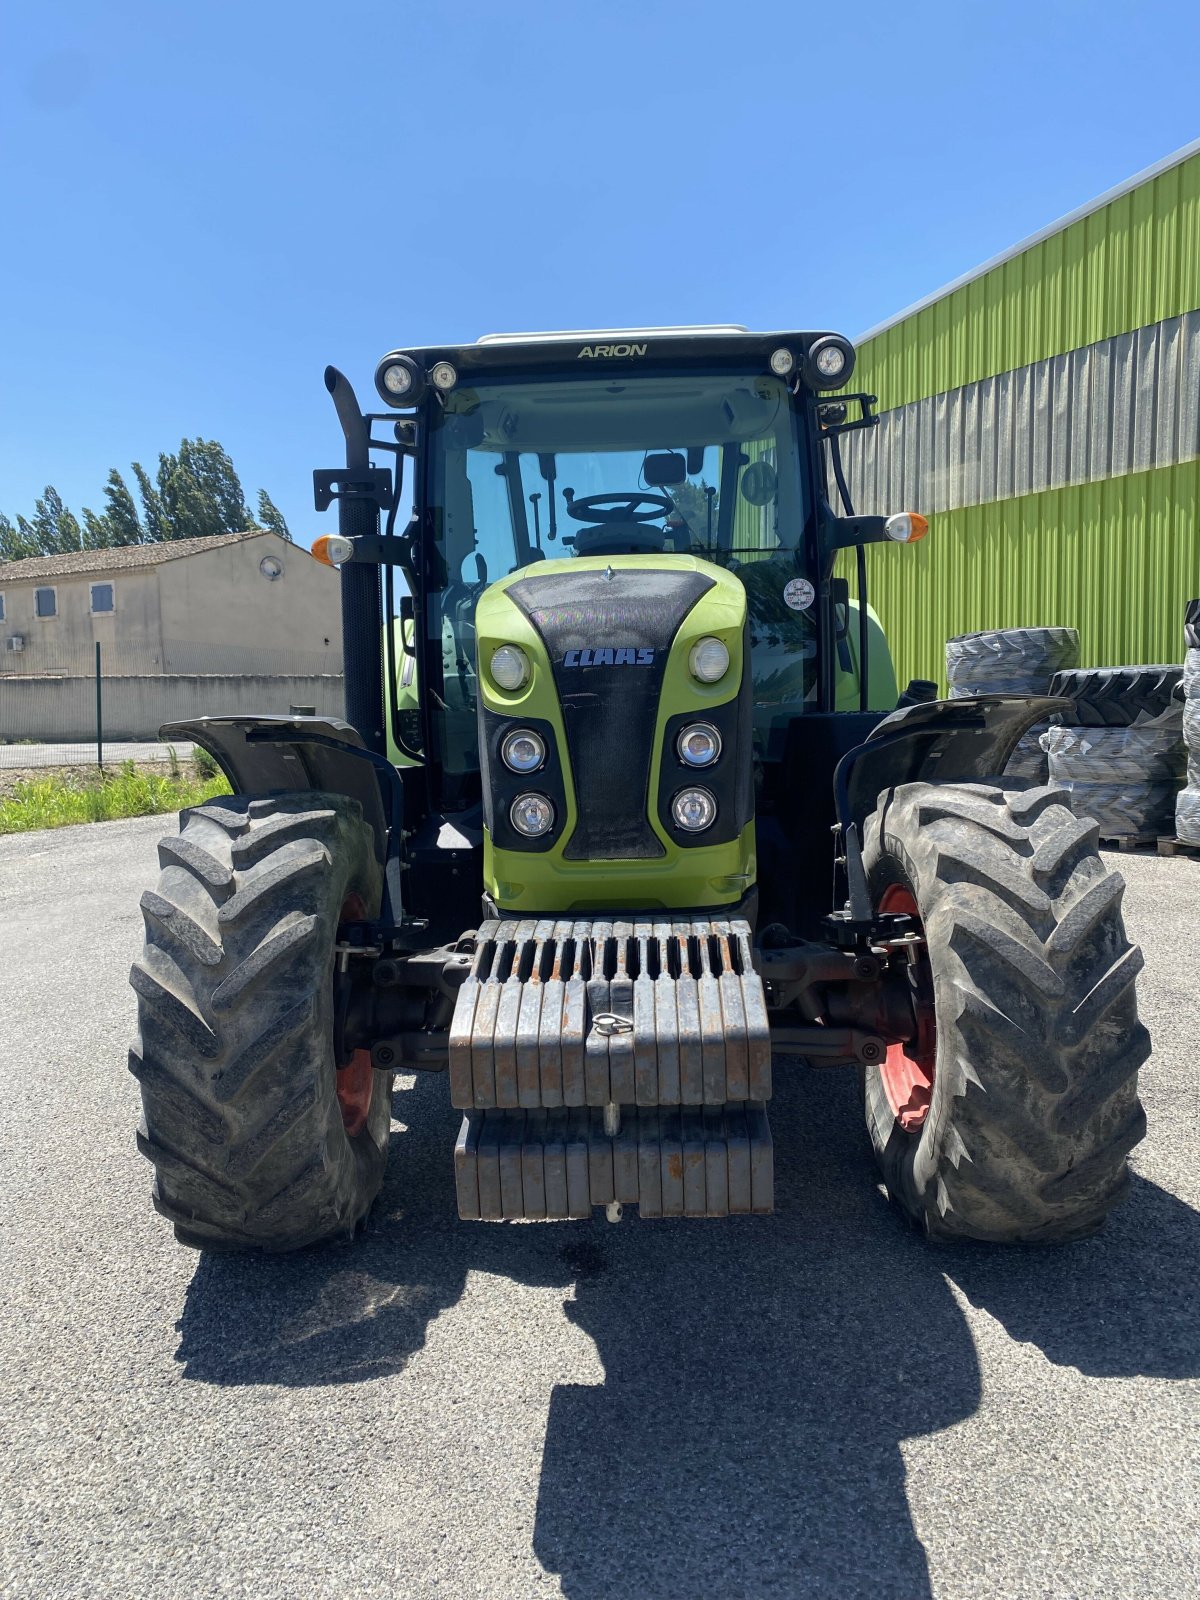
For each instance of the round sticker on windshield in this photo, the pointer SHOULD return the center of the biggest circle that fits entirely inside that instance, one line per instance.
(799, 594)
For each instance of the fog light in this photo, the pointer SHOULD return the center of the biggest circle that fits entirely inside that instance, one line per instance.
(532, 815)
(523, 751)
(444, 375)
(694, 810)
(699, 745)
(709, 660)
(510, 666)
(782, 362)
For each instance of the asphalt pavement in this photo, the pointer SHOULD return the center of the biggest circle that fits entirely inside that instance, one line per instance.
(811, 1405)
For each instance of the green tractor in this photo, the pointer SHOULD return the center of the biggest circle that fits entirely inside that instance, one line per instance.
(625, 806)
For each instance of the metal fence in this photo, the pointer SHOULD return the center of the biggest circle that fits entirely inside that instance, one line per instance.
(100, 706)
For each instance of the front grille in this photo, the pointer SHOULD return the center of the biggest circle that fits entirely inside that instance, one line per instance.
(610, 712)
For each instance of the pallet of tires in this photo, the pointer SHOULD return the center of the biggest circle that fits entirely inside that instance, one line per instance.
(1187, 805)
(1122, 758)
(1012, 661)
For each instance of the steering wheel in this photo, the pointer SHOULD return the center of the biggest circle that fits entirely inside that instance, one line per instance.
(620, 507)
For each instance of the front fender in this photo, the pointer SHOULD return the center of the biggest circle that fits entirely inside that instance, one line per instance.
(939, 741)
(276, 754)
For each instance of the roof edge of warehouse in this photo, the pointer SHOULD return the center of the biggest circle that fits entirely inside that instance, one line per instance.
(1177, 158)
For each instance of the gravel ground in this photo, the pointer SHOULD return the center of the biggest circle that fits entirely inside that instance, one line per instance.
(815, 1404)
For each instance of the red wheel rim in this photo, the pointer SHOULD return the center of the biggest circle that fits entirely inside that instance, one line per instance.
(356, 1080)
(908, 1069)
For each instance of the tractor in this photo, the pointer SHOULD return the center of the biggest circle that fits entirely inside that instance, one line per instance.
(626, 814)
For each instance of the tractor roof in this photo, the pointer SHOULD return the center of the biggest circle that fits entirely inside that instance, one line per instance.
(725, 344)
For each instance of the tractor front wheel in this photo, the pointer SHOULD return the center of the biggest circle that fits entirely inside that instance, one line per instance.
(258, 1138)
(1010, 1114)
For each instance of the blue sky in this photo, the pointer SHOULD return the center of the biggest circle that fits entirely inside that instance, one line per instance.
(200, 206)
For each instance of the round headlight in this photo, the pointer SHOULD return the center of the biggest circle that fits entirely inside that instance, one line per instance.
(709, 660)
(694, 810)
(444, 375)
(523, 751)
(782, 362)
(699, 745)
(532, 815)
(399, 380)
(829, 362)
(510, 666)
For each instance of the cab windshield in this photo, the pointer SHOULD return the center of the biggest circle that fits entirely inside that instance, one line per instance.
(709, 465)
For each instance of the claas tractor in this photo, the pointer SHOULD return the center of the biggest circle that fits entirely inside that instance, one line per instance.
(626, 815)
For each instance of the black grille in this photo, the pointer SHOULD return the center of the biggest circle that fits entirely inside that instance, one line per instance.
(610, 711)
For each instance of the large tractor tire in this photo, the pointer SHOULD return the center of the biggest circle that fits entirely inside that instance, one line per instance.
(1011, 1114)
(257, 1139)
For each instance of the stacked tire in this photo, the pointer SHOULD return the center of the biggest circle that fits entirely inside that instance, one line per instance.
(1012, 661)
(1187, 805)
(1122, 757)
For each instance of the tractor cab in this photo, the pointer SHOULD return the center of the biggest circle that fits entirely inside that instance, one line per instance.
(616, 472)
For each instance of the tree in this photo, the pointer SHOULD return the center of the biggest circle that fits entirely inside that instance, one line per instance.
(194, 493)
(121, 514)
(212, 470)
(692, 502)
(15, 544)
(270, 516)
(52, 528)
(154, 517)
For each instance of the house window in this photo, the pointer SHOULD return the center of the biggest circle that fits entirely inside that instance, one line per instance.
(1, 608)
(45, 602)
(102, 598)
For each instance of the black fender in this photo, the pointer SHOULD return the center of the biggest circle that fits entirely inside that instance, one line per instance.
(275, 754)
(938, 741)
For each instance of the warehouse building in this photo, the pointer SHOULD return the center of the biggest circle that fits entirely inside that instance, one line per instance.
(1044, 411)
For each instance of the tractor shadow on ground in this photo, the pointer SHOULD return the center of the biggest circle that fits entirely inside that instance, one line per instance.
(760, 1374)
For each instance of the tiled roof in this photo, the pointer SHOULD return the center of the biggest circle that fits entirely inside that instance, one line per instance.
(121, 558)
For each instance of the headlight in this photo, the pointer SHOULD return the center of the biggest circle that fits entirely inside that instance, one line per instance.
(699, 745)
(444, 376)
(399, 380)
(709, 660)
(523, 751)
(510, 666)
(829, 363)
(532, 815)
(694, 810)
(782, 362)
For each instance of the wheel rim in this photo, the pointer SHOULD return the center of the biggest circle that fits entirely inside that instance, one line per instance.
(907, 1071)
(356, 1080)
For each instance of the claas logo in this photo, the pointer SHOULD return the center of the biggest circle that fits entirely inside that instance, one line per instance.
(622, 657)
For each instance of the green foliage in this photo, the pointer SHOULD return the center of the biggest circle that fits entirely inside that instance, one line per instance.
(15, 542)
(58, 800)
(52, 527)
(194, 493)
(204, 763)
(691, 501)
(270, 516)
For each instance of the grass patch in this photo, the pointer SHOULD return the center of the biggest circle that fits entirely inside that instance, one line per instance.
(58, 800)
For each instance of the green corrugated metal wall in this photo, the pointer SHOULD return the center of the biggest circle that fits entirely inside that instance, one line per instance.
(1099, 557)
(1115, 558)
(1135, 261)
